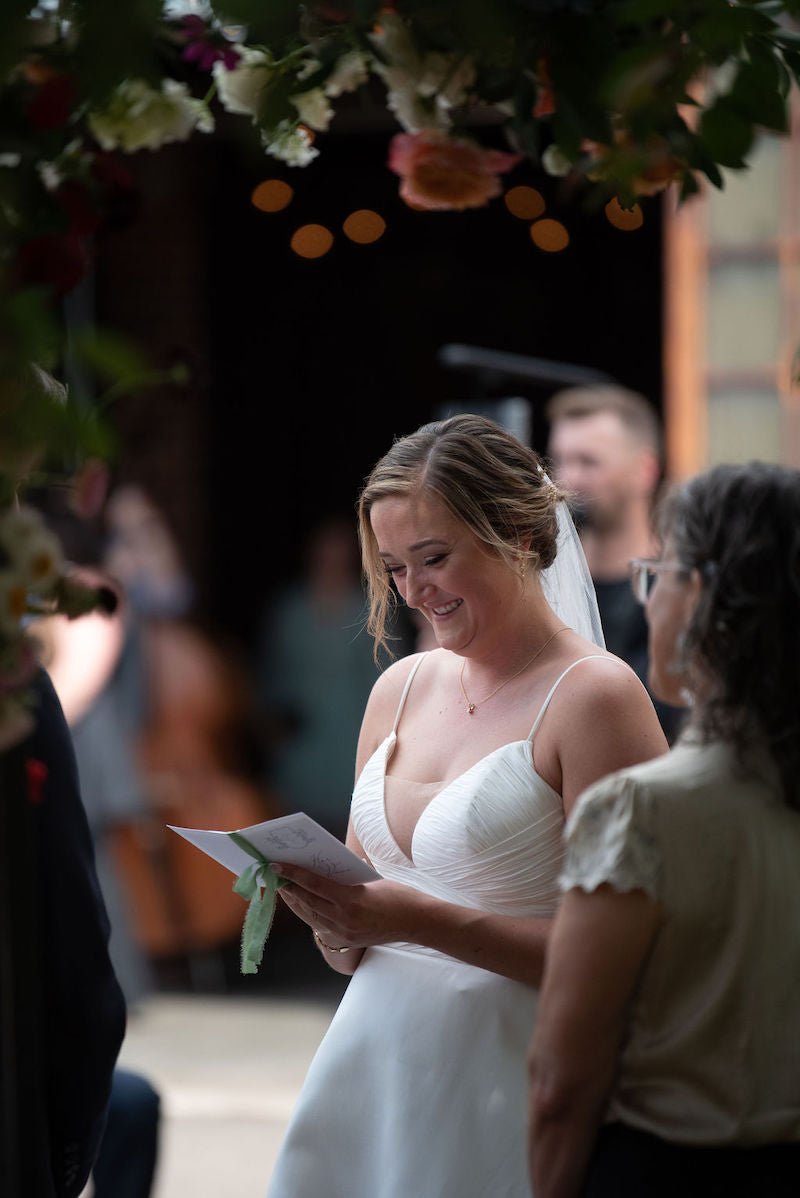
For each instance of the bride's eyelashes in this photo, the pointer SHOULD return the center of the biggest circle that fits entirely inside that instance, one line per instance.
(429, 561)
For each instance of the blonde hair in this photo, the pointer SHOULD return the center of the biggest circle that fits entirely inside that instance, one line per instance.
(484, 476)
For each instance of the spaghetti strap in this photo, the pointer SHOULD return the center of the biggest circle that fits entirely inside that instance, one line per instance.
(406, 689)
(546, 704)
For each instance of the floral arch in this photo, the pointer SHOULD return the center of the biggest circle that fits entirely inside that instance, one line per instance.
(624, 98)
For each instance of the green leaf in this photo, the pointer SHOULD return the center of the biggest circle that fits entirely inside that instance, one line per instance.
(115, 42)
(274, 23)
(274, 103)
(723, 31)
(641, 12)
(689, 187)
(792, 60)
(757, 93)
(727, 135)
(113, 358)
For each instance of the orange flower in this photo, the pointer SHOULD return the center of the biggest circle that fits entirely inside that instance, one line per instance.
(657, 166)
(545, 93)
(443, 173)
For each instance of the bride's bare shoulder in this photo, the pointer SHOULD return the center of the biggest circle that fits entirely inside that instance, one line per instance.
(387, 693)
(388, 688)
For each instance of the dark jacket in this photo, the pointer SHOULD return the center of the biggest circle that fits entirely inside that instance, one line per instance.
(70, 997)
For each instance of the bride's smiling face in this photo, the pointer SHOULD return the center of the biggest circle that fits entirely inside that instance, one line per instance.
(440, 568)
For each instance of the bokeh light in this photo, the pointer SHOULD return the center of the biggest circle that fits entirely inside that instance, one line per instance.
(272, 195)
(312, 241)
(364, 226)
(525, 202)
(624, 218)
(550, 235)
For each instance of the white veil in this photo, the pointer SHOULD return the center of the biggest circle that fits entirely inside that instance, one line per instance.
(567, 584)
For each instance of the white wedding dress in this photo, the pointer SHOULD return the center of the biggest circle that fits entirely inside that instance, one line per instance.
(419, 1088)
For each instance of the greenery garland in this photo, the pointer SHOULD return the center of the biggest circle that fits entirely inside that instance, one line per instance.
(628, 97)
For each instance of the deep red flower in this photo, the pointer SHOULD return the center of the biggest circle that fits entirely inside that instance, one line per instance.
(203, 48)
(119, 195)
(36, 775)
(53, 101)
(53, 261)
(109, 171)
(83, 211)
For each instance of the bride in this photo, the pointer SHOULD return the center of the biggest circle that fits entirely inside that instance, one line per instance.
(470, 758)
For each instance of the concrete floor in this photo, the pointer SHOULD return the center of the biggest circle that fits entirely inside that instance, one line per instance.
(229, 1071)
(228, 1068)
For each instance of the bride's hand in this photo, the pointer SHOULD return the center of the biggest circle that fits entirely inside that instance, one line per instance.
(351, 916)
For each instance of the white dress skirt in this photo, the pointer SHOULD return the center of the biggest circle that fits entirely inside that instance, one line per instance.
(419, 1087)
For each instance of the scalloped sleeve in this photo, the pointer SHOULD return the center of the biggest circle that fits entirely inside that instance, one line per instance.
(612, 837)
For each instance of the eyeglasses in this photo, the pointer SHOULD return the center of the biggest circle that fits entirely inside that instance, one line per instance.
(644, 572)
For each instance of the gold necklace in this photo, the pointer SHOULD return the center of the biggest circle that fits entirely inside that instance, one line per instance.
(471, 706)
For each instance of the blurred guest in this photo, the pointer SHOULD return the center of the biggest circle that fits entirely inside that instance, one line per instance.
(315, 673)
(158, 713)
(193, 748)
(95, 665)
(605, 448)
(666, 1057)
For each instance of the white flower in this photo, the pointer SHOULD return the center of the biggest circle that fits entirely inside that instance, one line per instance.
(33, 552)
(50, 175)
(239, 90)
(290, 143)
(421, 89)
(395, 43)
(413, 111)
(17, 527)
(139, 117)
(448, 77)
(314, 109)
(555, 163)
(348, 75)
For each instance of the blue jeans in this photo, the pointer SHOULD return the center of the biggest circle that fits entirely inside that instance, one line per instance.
(126, 1163)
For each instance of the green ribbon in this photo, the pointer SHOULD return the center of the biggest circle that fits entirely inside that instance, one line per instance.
(259, 884)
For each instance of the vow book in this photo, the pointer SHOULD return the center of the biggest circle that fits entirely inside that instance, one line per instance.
(295, 839)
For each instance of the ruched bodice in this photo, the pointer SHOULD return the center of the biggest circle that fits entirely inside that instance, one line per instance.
(489, 839)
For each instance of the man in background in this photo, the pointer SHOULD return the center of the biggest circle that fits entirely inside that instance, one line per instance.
(605, 448)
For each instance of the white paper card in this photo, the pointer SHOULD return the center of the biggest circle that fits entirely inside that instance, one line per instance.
(296, 839)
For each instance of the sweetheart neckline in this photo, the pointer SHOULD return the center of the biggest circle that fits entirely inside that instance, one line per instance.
(392, 737)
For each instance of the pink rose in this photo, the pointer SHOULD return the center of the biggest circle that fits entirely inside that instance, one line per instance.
(441, 173)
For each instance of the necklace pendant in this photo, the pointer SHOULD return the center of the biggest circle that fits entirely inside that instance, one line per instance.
(471, 708)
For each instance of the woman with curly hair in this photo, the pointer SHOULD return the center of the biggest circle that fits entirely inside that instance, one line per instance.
(666, 1058)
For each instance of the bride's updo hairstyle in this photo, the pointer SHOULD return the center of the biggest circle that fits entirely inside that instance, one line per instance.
(739, 527)
(484, 476)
